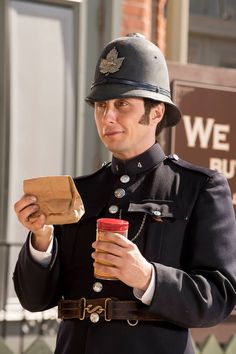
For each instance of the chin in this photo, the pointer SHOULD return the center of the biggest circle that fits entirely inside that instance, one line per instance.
(116, 147)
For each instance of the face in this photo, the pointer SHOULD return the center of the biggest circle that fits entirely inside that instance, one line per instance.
(119, 125)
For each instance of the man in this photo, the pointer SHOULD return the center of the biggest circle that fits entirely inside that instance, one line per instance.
(177, 268)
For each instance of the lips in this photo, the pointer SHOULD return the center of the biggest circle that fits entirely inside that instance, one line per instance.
(113, 132)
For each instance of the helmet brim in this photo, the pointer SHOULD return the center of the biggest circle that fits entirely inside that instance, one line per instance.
(113, 91)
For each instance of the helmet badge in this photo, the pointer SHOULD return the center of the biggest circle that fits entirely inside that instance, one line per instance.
(112, 63)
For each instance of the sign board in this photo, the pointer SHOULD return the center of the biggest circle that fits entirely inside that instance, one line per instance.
(206, 135)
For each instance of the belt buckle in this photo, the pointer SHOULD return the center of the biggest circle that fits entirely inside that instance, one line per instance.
(94, 310)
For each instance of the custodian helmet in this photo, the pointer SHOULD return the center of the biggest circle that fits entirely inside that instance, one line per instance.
(132, 66)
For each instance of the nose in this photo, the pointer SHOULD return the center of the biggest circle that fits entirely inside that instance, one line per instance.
(109, 114)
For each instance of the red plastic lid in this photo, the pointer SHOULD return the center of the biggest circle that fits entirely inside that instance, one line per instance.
(112, 224)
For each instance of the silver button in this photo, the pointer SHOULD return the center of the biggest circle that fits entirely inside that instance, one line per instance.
(174, 157)
(119, 193)
(139, 165)
(125, 179)
(156, 213)
(113, 209)
(94, 317)
(97, 287)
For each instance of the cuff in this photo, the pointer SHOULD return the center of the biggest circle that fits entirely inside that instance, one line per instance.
(146, 296)
(43, 258)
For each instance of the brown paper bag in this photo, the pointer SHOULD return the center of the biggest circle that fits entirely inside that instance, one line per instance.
(57, 197)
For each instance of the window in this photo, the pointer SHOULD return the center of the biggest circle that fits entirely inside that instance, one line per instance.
(212, 32)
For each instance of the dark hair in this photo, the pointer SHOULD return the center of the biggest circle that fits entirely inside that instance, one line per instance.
(148, 105)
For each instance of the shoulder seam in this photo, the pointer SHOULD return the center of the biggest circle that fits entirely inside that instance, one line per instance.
(192, 167)
(105, 166)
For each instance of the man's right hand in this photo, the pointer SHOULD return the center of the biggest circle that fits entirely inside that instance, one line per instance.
(42, 233)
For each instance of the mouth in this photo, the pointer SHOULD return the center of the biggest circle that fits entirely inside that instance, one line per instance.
(113, 133)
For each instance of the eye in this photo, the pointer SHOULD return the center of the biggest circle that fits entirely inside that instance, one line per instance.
(100, 104)
(122, 103)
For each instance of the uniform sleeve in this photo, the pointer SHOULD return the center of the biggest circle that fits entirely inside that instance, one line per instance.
(203, 292)
(37, 286)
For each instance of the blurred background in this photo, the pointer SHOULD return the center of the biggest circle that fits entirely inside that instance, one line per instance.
(48, 53)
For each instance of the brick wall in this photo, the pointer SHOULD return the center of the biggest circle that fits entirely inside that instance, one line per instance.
(161, 24)
(146, 17)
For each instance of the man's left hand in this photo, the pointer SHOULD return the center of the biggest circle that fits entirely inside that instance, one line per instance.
(126, 263)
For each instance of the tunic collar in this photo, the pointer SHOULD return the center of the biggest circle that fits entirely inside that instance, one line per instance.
(139, 164)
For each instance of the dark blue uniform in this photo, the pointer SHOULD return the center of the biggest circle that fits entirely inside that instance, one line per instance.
(181, 218)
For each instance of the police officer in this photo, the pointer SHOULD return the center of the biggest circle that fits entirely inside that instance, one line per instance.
(176, 269)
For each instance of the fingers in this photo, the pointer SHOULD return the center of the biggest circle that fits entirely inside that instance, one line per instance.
(131, 268)
(35, 224)
(115, 238)
(112, 248)
(110, 271)
(25, 201)
(106, 258)
(115, 248)
(110, 253)
(27, 212)
(123, 260)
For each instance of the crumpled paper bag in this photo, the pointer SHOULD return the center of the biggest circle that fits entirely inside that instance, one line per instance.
(57, 197)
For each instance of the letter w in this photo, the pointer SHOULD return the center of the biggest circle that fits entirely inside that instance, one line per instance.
(197, 129)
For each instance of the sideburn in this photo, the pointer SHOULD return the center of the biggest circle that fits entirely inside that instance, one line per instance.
(148, 105)
(145, 119)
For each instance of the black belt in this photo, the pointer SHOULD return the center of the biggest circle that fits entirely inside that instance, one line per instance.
(107, 308)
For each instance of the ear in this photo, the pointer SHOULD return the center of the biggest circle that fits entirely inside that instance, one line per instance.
(157, 113)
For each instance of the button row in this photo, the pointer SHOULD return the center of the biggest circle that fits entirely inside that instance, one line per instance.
(119, 193)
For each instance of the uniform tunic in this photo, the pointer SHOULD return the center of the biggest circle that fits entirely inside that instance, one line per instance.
(181, 218)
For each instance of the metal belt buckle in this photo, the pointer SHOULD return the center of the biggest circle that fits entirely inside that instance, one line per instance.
(94, 310)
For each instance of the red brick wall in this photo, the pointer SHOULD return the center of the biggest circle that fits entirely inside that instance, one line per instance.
(136, 15)
(161, 24)
(146, 17)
